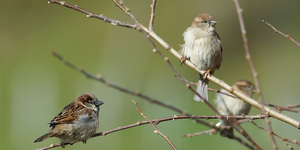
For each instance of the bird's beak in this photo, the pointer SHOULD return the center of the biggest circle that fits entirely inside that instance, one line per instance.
(98, 103)
(212, 23)
(254, 91)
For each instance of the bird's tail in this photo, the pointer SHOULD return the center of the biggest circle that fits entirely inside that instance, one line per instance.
(227, 131)
(43, 137)
(202, 89)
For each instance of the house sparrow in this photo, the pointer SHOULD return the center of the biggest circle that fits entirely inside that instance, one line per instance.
(78, 121)
(203, 48)
(227, 105)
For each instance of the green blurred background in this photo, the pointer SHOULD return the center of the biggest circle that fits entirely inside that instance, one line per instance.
(34, 86)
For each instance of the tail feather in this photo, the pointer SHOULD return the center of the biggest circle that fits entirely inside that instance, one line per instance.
(43, 137)
(201, 89)
(227, 132)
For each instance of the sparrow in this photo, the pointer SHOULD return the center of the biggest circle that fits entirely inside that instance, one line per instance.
(228, 105)
(78, 121)
(203, 48)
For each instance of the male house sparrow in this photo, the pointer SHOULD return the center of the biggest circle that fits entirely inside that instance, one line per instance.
(203, 48)
(78, 121)
(227, 105)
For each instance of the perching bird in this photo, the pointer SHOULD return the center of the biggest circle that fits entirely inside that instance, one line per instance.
(203, 48)
(78, 121)
(228, 105)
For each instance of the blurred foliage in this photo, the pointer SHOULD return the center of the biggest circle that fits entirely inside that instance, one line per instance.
(34, 86)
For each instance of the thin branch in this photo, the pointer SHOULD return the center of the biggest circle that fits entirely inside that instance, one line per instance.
(125, 9)
(254, 73)
(51, 146)
(293, 106)
(166, 59)
(90, 14)
(279, 108)
(289, 146)
(277, 31)
(280, 137)
(156, 129)
(152, 16)
(175, 117)
(211, 131)
(157, 121)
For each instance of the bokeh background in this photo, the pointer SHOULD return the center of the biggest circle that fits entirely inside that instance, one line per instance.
(35, 86)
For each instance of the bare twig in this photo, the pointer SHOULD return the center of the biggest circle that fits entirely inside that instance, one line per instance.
(279, 108)
(157, 121)
(93, 15)
(156, 129)
(211, 131)
(280, 137)
(293, 106)
(186, 81)
(254, 73)
(152, 16)
(277, 31)
(175, 117)
(289, 146)
(125, 9)
(51, 146)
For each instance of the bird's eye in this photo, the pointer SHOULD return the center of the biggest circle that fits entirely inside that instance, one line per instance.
(248, 86)
(204, 21)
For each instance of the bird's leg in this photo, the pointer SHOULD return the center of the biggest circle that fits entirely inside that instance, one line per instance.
(183, 59)
(206, 73)
(62, 145)
(84, 141)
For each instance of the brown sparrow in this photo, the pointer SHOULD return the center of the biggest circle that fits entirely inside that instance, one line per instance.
(78, 121)
(203, 48)
(227, 105)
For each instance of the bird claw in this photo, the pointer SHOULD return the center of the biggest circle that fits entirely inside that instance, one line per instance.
(206, 73)
(183, 59)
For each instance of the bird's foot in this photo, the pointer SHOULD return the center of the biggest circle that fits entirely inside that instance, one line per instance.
(84, 141)
(183, 59)
(206, 73)
(62, 145)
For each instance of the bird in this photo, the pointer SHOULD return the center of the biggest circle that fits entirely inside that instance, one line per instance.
(203, 48)
(231, 105)
(78, 121)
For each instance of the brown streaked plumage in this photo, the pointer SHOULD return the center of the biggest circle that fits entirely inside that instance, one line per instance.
(78, 121)
(227, 105)
(203, 48)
